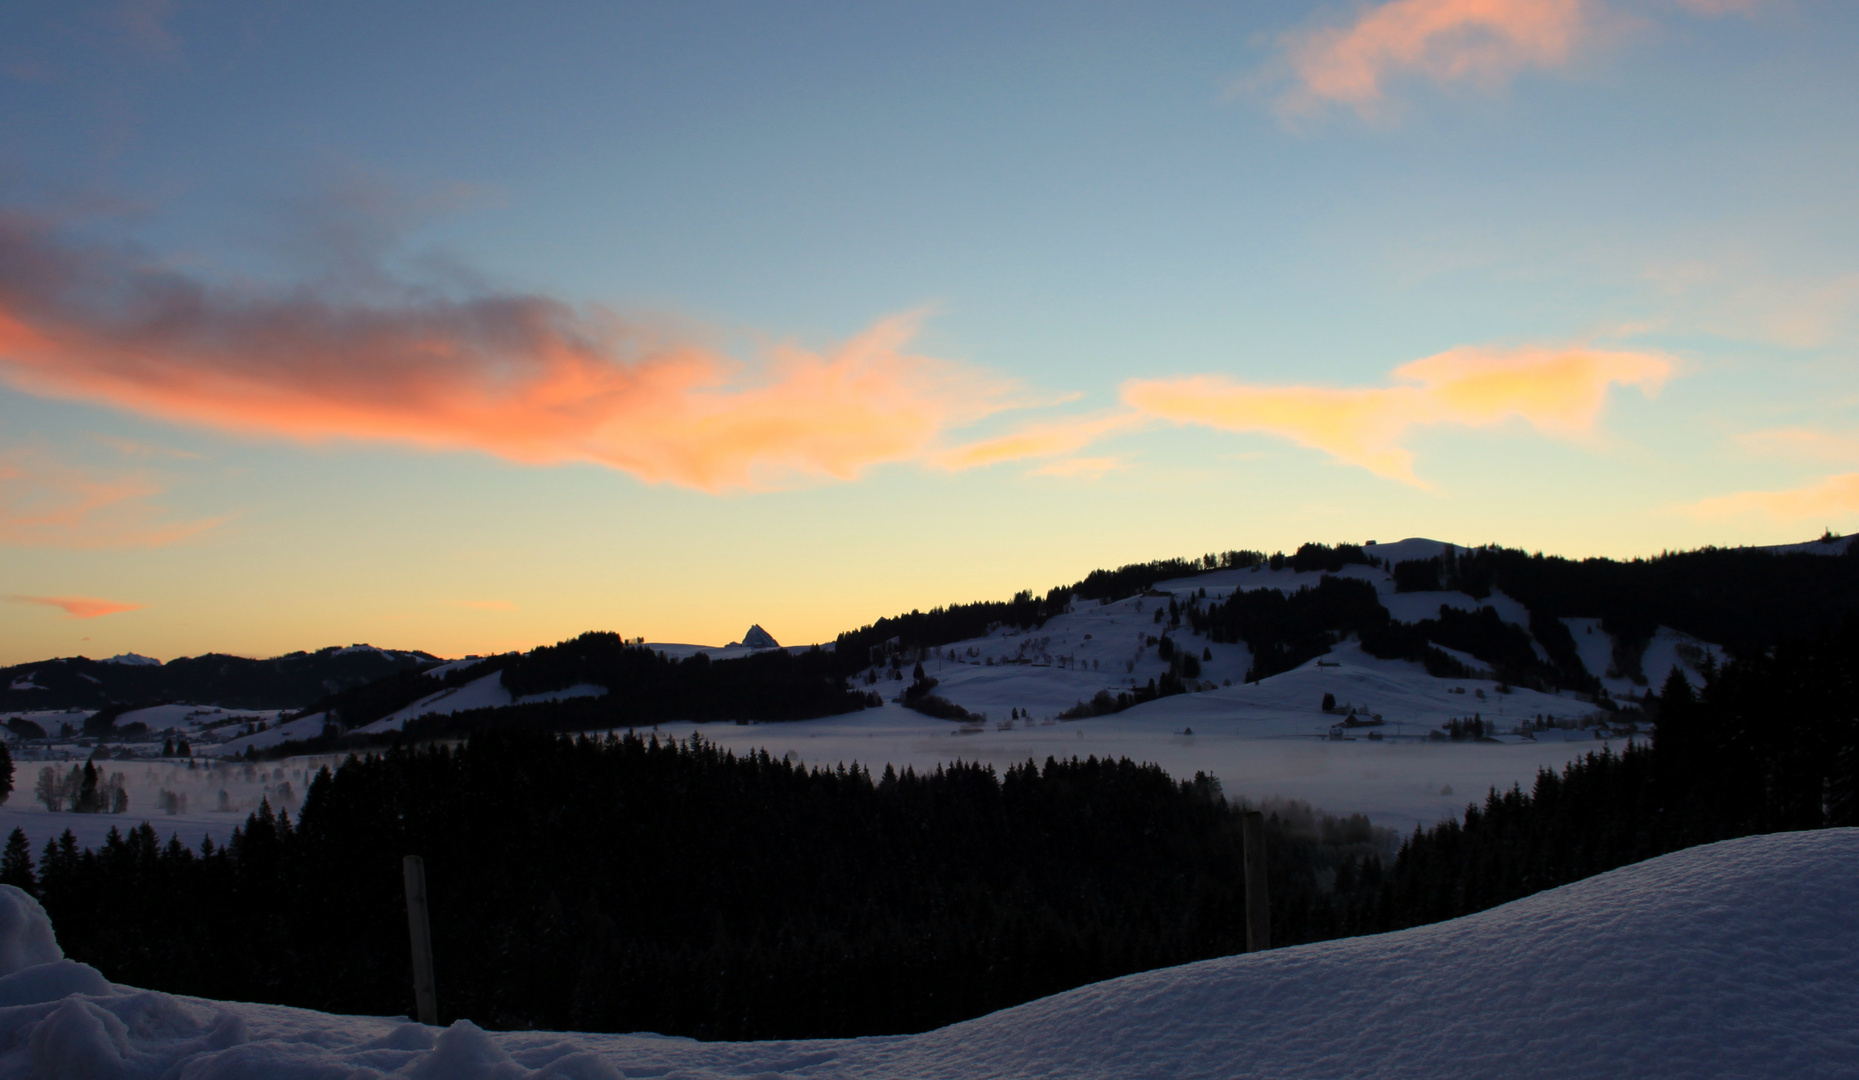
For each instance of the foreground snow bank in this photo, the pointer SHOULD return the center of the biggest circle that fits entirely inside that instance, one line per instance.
(1732, 960)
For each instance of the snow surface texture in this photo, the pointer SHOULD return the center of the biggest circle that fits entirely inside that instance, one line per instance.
(1730, 960)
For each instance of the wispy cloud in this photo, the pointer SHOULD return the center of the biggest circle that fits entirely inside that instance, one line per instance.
(1042, 439)
(48, 503)
(523, 377)
(1559, 391)
(1810, 444)
(78, 607)
(1354, 62)
(1824, 502)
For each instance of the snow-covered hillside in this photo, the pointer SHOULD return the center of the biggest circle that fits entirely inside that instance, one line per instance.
(1106, 647)
(1732, 960)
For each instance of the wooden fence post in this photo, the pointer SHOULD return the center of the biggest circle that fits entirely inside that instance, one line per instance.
(1258, 903)
(419, 929)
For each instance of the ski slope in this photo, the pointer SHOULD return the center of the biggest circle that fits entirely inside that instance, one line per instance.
(1732, 961)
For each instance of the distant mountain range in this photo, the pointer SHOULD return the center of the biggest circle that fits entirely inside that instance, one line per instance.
(1740, 599)
(281, 682)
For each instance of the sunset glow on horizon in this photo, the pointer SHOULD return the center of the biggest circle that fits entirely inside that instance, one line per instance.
(319, 327)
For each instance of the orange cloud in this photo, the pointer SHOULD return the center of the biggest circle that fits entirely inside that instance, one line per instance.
(525, 378)
(1037, 440)
(1560, 391)
(1833, 498)
(45, 503)
(78, 607)
(1486, 43)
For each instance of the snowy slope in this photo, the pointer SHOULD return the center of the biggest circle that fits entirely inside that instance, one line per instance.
(1838, 546)
(1732, 960)
(486, 692)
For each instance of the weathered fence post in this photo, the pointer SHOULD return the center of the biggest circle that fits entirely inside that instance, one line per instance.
(1258, 903)
(419, 928)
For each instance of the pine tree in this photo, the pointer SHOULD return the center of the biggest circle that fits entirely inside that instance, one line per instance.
(6, 771)
(16, 863)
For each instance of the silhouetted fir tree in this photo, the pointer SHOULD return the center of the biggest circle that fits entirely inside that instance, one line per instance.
(16, 863)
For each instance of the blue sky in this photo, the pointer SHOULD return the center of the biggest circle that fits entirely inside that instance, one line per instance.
(474, 326)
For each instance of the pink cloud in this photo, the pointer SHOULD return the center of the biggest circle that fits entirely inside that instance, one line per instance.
(525, 378)
(1483, 43)
(78, 607)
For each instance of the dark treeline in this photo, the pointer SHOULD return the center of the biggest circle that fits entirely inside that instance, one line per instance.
(1770, 743)
(773, 684)
(619, 884)
(903, 635)
(1285, 630)
(1743, 598)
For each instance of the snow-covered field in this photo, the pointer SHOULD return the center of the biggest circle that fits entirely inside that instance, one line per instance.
(198, 809)
(1732, 960)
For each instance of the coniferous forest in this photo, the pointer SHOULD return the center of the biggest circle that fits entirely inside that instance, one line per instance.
(624, 884)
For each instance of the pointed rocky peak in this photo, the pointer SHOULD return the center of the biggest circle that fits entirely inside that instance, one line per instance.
(758, 638)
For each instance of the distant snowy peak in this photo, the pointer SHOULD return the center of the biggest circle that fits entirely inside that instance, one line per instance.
(758, 638)
(130, 659)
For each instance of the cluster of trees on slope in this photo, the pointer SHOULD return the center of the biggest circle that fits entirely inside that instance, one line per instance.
(622, 884)
(1742, 598)
(236, 682)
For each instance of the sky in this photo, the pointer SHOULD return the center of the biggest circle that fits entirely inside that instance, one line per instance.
(468, 327)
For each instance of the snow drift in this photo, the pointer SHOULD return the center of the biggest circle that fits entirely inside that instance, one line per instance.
(1730, 960)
